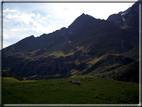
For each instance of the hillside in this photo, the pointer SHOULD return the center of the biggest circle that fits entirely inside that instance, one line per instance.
(88, 47)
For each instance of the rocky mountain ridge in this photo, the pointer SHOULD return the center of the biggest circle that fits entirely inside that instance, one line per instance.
(88, 47)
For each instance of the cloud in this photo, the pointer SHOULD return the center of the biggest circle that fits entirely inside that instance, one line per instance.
(5, 36)
(29, 21)
(20, 17)
(8, 10)
(9, 16)
(26, 18)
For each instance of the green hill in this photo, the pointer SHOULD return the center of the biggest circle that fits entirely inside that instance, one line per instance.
(9, 80)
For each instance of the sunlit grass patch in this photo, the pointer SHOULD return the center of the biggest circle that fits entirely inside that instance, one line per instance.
(9, 79)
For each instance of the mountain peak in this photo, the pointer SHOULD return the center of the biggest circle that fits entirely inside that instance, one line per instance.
(85, 15)
(82, 14)
(82, 20)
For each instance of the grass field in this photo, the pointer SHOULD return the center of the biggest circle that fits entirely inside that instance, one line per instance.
(62, 91)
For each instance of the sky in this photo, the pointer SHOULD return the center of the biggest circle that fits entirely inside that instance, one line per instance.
(21, 20)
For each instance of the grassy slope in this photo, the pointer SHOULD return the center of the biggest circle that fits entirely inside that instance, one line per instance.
(9, 80)
(98, 66)
(61, 91)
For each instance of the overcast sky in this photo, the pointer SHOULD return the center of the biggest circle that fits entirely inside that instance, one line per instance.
(21, 20)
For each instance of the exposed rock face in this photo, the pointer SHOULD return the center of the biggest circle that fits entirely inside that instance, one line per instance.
(117, 19)
(128, 19)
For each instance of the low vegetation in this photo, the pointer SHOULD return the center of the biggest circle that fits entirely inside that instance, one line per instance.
(130, 74)
(62, 91)
(6, 74)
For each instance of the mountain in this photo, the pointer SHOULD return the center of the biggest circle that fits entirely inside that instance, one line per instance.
(128, 20)
(88, 47)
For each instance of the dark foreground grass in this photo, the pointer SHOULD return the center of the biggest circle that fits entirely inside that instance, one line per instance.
(61, 91)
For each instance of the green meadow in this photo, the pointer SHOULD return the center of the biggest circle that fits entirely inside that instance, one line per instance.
(62, 91)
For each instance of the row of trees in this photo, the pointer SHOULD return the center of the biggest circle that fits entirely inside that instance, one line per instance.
(6, 74)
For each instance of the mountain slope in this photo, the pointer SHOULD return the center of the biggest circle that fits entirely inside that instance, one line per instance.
(89, 46)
